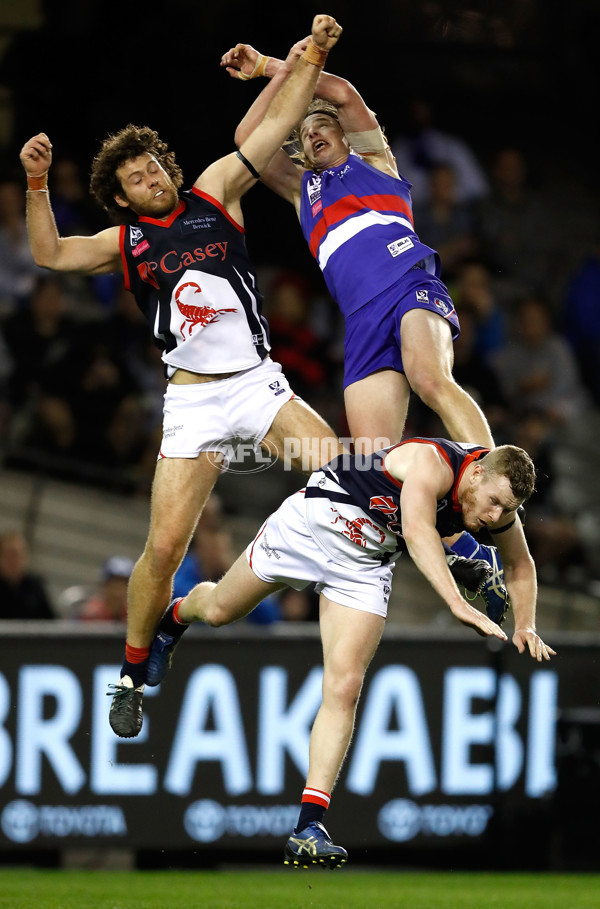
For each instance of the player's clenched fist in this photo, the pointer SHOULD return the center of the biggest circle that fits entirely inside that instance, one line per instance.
(36, 155)
(325, 31)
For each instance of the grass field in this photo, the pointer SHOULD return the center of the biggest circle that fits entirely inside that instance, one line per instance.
(287, 889)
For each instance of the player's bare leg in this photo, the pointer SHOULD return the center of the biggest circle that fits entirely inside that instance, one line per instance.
(430, 377)
(303, 437)
(376, 408)
(180, 490)
(232, 598)
(350, 638)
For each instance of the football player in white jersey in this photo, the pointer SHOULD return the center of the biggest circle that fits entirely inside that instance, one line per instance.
(145, 189)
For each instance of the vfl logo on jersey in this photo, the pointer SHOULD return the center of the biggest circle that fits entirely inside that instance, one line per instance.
(313, 189)
(196, 315)
(135, 235)
(442, 305)
(400, 246)
(422, 296)
(276, 387)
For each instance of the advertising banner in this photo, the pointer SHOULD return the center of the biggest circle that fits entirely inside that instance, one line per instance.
(454, 742)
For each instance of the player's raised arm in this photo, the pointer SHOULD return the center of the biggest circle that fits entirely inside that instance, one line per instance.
(359, 123)
(230, 177)
(90, 255)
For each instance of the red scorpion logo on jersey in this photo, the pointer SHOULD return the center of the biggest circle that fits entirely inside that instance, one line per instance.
(353, 530)
(196, 315)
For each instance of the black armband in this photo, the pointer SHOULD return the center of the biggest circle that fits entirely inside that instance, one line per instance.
(250, 167)
(501, 529)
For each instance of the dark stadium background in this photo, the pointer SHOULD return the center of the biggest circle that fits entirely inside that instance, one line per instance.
(499, 71)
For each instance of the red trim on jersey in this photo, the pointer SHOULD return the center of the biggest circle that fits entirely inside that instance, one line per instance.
(126, 279)
(392, 479)
(473, 456)
(469, 458)
(217, 204)
(168, 221)
(352, 205)
(439, 448)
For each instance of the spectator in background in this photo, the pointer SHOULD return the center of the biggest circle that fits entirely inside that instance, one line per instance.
(537, 369)
(22, 592)
(210, 555)
(299, 605)
(580, 318)
(6, 368)
(18, 271)
(553, 537)
(74, 211)
(475, 375)
(422, 146)
(109, 603)
(473, 289)
(514, 226)
(445, 223)
(85, 408)
(472, 373)
(38, 336)
(295, 344)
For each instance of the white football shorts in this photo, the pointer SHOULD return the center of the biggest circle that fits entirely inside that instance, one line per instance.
(209, 416)
(285, 551)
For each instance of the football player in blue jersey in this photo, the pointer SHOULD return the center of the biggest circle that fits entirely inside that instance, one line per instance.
(356, 215)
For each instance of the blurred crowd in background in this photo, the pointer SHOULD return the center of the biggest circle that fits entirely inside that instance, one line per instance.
(81, 382)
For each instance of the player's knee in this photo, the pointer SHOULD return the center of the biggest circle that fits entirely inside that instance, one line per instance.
(432, 389)
(215, 612)
(164, 555)
(344, 687)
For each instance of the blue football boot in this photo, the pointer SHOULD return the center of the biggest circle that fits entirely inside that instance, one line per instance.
(489, 583)
(313, 846)
(493, 592)
(161, 650)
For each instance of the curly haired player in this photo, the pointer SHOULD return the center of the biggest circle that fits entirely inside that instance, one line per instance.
(184, 258)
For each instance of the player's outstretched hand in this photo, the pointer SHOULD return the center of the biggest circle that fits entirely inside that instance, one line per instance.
(297, 49)
(475, 619)
(325, 32)
(527, 639)
(242, 61)
(36, 155)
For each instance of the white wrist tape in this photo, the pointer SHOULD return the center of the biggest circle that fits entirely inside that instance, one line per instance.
(259, 69)
(368, 142)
